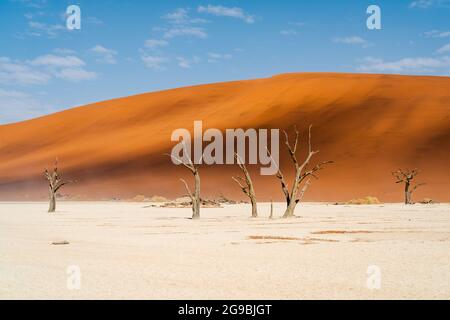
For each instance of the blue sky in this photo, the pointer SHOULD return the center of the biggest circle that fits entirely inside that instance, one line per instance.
(135, 46)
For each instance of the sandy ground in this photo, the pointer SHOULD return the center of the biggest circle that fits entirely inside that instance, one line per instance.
(126, 251)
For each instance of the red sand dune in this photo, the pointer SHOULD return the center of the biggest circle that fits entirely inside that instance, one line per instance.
(368, 124)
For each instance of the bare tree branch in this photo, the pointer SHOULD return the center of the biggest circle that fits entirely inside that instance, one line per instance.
(406, 177)
(302, 193)
(55, 182)
(280, 177)
(248, 188)
(295, 195)
(193, 167)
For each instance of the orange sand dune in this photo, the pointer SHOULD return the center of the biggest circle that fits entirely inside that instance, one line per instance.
(368, 124)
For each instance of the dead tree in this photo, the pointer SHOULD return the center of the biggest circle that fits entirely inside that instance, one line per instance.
(271, 209)
(295, 195)
(195, 196)
(55, 182)
(406, 177)
(246, 185)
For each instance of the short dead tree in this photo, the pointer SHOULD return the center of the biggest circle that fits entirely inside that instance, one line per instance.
(195, 196)
(246, 185)
(271, 210)
(300, 183)
(406, 177)
(55, 182)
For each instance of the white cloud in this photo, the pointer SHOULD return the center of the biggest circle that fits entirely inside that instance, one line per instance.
(92, 20)
(425, 4)
(289, 32)
(421, 4)
(75, 74)
(187, 63)
(181, 17)
(12, 94)
(444, 49)
(406, 65)
(180, 24)
(436, 34)
(154, 62)
(20, 73)
(64, 51)
(185, 31)
(42, 69)
(57, 61)
(37, 4)
(234, 12)
(155, 43)
(214, 57)
(178, 16)
(38, 29)
(353, 40)
(104, 55)
(293, 30)
(16, 105)
(297, 24)
(31, 15)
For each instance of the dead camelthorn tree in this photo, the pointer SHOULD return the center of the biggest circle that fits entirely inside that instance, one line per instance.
(271, 209)
(406, 177)
(246, 185)
(195, 196)
(55, 182)
(295, 195)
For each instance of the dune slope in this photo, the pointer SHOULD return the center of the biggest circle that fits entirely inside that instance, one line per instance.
(368, 124)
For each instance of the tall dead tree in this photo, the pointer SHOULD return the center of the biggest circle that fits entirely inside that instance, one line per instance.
(406, 177)
(246, 185)
(195, 196)
(295, 195)
(55, 182)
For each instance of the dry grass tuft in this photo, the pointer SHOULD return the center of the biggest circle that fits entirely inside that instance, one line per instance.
(366, 200)
(158, 199)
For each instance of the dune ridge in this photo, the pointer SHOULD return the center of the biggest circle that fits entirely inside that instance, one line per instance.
(368, 124)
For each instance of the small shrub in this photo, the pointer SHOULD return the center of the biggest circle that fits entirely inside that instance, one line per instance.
(366, 200)
(427, 201)
(139, 198)
(158, 199)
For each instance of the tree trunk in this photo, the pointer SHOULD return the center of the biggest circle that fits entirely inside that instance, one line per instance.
(52, 206)
(254, 207)
(289, 213)
(406, 177)
(251, 194)
(290, 209)
(407, 194)
(196, 202)
(271, 209)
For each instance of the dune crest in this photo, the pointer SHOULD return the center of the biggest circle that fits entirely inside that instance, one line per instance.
(368, 124)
